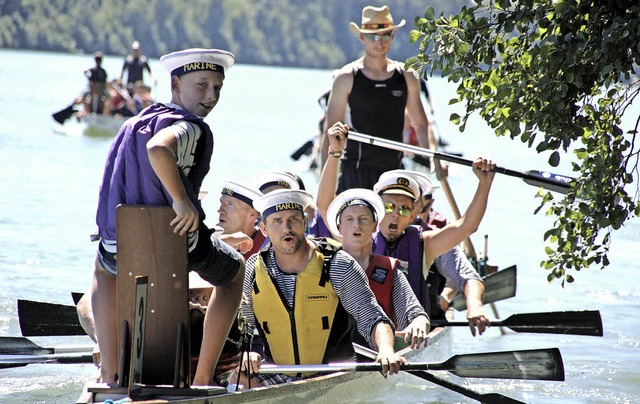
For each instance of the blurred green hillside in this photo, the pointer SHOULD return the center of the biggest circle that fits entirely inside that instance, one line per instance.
(275, 32)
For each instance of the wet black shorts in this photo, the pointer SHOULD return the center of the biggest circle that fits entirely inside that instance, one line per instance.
(215, 261)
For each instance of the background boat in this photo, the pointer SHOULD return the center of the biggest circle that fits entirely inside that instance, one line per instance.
(93, 125)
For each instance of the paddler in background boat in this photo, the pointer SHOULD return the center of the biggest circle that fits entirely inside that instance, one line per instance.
(134, 65)
(121, 103)
(318, 284)
(161, 144)
(352, 218)
(397, 238)
(375, 90)
(97, 96)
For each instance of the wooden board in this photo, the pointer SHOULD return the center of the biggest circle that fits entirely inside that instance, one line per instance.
(148, 247)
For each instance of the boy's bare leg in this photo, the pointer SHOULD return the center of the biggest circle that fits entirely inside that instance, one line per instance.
(105, 312)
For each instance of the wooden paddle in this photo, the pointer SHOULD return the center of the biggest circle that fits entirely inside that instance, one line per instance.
(10, 361)
(64, 114)
(531, 364)
(48, 319)
(305, 149)
(423, 374)
(24, 346)
(498, 286)
(550, 181)
(555, 322)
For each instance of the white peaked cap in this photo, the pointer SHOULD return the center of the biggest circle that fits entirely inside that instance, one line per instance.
(351, 197)
(281, 200)
(196, 59)
(271, 178)
(242, 192)
(426, 187)
(398, 184)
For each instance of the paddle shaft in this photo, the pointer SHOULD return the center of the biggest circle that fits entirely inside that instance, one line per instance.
(533, 364)
(561, 322)
(24, 346)
(550, 181)
(423, 374)
(19, 360)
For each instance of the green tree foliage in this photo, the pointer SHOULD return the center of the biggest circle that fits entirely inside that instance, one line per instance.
(554, 74)
(299, 33)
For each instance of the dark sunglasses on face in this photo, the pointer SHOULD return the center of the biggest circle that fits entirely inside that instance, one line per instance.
(375, 37)
(403, 210)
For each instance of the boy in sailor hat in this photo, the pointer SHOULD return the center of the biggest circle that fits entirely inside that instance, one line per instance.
(353, 218)
(160, 157)
(397, 238)
(328, 284)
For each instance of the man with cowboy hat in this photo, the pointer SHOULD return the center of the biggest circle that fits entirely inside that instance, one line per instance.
(375, 91)
(302, 295)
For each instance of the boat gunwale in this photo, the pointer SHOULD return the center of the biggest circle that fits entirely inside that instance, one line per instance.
(274, 391)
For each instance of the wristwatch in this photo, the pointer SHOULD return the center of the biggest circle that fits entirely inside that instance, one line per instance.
(335, 154)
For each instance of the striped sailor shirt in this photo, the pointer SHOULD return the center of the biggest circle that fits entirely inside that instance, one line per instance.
(347, 277)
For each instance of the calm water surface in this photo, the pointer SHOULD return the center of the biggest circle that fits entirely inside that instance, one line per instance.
(48, 194)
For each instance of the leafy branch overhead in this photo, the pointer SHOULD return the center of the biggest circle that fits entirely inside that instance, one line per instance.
(558, 76)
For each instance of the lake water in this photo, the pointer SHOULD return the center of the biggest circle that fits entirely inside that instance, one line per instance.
(48, 193)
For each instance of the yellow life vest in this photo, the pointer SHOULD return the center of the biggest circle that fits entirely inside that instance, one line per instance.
(315, 329)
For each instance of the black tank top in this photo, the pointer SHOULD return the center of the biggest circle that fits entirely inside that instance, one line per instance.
(377, 109)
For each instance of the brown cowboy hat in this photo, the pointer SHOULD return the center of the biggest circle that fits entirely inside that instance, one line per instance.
(375, 20)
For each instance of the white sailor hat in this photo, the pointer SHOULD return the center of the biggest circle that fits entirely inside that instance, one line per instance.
(196, 59)
(281, 200)
(271, 178)
(397, 184)
(434, 187)
(242, 192)
(351, 197)
(196, 282)
(423, 181)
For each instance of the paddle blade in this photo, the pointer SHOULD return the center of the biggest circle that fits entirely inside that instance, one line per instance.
(64, 114)
(559, 322)
(534, 364)
(497, 286)
(21, 346)
(547, 180)
(305, 149)
(39, 319)
(76, 296)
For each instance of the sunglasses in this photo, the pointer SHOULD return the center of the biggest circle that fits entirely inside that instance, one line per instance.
(403, 210)
(375, 37)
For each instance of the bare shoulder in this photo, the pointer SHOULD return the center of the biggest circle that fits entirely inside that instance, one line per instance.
(344, 75)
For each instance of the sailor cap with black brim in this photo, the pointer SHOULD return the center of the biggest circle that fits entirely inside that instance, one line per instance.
(282, 200)
(352, 197)
(242, 192)
(397, 184)
(426, 187)
(197, 59)
(271, 178)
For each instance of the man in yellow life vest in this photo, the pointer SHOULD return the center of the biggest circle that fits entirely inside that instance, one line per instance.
(300, 295)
